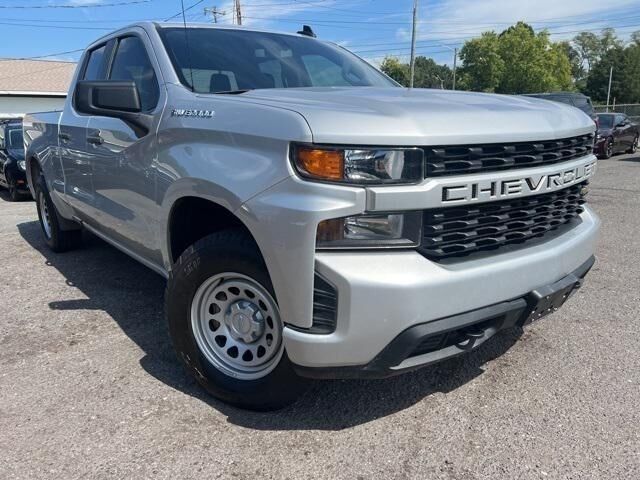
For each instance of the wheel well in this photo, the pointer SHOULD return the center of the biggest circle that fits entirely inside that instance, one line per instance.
(193, 218)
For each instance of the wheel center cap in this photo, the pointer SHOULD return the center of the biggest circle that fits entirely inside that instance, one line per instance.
(245, 321)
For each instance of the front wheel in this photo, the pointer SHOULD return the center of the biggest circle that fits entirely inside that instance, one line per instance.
(225, 323)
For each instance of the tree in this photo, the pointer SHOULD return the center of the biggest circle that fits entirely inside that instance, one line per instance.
(482, 65)
(396, 70)
(578, 71)
(516, 61)
(531, 63)
(588, 46)
(598, 81)
(428, 74)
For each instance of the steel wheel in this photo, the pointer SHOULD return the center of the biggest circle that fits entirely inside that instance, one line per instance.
(45, 219)
(237, 326)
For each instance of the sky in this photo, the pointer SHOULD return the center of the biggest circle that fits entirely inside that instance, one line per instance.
(370, 28)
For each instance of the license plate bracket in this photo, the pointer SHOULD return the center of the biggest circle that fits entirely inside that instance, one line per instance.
(546, 300)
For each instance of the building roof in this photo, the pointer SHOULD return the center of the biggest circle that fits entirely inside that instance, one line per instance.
(35, 77)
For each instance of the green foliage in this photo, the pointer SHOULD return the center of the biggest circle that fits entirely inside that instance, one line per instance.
(428, 74)
(516, 61)
(482, 65)
(396, 70)
(625, 84)
(519, 60)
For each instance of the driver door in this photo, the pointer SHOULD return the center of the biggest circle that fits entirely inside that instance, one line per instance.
(123, 157)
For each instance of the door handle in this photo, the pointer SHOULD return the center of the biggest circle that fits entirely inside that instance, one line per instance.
(65, 137)
(95, 139)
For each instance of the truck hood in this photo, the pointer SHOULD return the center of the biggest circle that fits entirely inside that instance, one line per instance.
(399, 116)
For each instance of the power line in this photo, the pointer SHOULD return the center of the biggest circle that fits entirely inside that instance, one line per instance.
(35, 57)
(185, 10)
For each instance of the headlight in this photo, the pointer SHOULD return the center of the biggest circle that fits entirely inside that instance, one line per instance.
(359, 166)
(22, 165)
(399, 230)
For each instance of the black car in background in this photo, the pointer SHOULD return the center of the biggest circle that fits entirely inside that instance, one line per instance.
(574, 99)
(616, 133)
(12, 163)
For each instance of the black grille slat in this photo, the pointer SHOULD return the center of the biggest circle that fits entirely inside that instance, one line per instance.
(463, 230)
(325, 306)
(456, 160)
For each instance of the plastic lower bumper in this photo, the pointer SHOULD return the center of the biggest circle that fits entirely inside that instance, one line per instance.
(382, 294)
(431, 342)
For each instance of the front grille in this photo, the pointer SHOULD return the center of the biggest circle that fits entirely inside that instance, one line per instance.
(458, 160)
(457, 231)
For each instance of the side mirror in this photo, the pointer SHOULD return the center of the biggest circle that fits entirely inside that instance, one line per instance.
(116, 99)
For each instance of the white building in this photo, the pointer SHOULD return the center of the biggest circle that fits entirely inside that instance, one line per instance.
(33, 86)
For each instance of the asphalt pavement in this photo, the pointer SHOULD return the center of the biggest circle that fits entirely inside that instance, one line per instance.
(90, 386)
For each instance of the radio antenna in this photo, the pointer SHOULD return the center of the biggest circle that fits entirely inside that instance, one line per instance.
(186, 40)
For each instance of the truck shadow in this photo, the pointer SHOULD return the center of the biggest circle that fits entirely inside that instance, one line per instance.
(133, 296)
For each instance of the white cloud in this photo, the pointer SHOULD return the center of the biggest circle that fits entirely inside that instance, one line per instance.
(263, 15)
(455, 19)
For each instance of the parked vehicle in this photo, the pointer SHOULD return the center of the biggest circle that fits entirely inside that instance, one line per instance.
(616, 134)
(12, 163)
(313, 218)
(575, 99)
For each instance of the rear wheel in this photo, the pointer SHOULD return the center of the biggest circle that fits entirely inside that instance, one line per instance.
(634, 145)
(608, 148)
(225, 323)
(57, 239)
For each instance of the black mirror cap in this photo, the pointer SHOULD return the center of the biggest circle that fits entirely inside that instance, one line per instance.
(107, 97)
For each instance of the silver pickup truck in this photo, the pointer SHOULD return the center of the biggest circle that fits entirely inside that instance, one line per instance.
(313, 218)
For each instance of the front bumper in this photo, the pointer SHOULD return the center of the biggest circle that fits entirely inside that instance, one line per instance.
(431, 342)
(382, 294)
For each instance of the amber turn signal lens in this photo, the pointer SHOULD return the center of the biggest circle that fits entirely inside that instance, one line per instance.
(322, 164)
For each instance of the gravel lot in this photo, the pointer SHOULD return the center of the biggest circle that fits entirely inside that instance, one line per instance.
(89, 386)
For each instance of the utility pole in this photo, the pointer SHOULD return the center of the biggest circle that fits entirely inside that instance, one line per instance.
(238, 12)
(412, 68)
(214, 12)
(455, 59)
(609, 89)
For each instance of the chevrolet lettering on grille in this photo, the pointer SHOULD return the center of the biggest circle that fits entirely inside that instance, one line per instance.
(489, 190)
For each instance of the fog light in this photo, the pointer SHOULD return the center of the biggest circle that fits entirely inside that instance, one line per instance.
(381, 230)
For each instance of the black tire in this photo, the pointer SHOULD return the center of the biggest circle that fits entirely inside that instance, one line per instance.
(226, 251)
(14, 195)
(634, 146)
(608, 149)
(57, 239)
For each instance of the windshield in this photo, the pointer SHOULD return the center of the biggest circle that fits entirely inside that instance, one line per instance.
(229, 60)
(605, 121)
(14, 138)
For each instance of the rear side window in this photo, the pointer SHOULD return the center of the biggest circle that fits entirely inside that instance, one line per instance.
(95, 65)
(131, 62)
